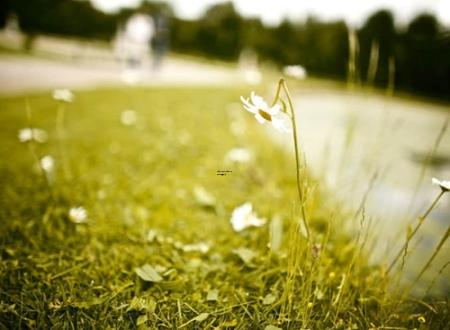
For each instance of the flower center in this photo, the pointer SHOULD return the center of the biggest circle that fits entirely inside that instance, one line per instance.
(265, 115)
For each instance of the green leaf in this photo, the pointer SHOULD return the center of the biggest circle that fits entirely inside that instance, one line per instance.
(212, 295)
(148, 274)
(276, 233)
(141, 320)
(201, 317)
(246, 255)
(142, 304)
(271, 327)
(269, 299)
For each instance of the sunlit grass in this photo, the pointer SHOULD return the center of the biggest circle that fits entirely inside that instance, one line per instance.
(152, 195)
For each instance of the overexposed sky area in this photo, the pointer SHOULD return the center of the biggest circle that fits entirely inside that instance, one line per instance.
(273, 11)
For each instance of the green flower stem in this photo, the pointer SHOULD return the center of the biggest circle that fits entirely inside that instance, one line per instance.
(283, 86)
(60, 115)
(277, 94)
(32, 147)
(411, 235)
(436, 251)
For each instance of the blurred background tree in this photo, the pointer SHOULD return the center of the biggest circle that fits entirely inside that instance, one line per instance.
(420, 50)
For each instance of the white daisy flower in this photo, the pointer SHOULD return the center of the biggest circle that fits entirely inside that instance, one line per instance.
(78, 214)
(128, 117)
(444, 184)
(63, 95)
(244, 217)
(238, 155)
(47, 163)
(32, 134)
(263, 113)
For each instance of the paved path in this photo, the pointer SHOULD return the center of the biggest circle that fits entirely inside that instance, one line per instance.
(20, 74)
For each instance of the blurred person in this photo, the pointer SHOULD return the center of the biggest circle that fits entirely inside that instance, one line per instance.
(160, 40)
(139, 31)
(12, 35)
(131, 45)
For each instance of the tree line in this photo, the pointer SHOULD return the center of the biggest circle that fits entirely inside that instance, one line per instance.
(416, 56)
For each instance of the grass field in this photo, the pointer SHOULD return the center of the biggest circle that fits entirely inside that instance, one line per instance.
(157, 249)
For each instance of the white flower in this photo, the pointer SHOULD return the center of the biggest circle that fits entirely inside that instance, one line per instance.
(128, 117)
(243, 217)
(63, 95)
(295, 71)
(263, 113)
(47, 163)
(32, 134)
(238, 155)
(444, 184)
(78, 214)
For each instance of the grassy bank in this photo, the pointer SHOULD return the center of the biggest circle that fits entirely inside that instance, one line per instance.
(157, 249)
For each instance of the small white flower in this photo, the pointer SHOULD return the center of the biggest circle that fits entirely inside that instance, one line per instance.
(244, 217)
(47, 163)
(78, 214)
(263, 113)
(32, 134)
(63, 95)
(238, 155)
(128, 117)
(295, 71)
(444, 184)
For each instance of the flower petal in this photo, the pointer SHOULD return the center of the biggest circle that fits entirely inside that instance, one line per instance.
(248, 106)
(260, 118)
(250, 109)
(274, 110)
(443, 184)
(282, 123)
(258, 101)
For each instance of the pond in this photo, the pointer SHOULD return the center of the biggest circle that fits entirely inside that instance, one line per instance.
(362, 141)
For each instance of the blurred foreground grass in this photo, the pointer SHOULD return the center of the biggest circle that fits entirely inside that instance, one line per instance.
(152, 193)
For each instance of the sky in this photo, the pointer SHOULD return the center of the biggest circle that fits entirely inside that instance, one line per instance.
(273, 11)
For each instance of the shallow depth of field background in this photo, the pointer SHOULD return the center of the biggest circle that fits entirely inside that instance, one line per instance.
(371, 91)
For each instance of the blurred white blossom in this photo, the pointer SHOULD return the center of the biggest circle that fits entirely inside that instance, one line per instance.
(63, 95)
(47, 163)
(32, 134)
(295, 71)
(244, 217)
(265, 113)
(238, 155)
(78, 214)
(198, 247)
(203, 197)
(443, 184)
(128, 117)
